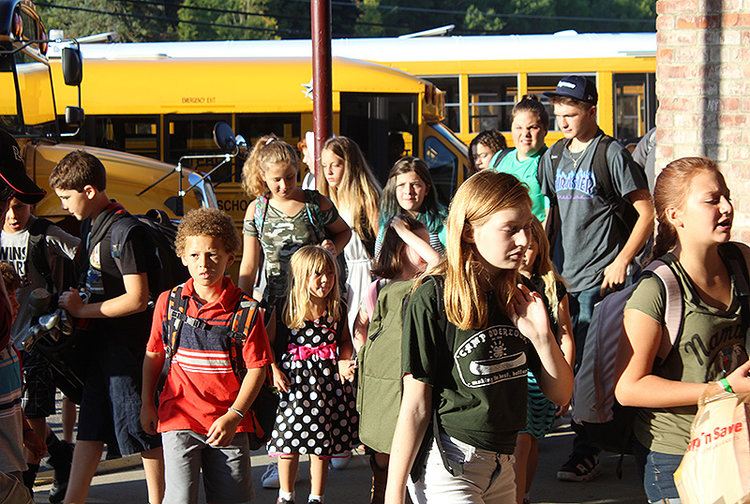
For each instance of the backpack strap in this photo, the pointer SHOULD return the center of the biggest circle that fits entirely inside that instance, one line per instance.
(673, 306)
(260, 218)
(240, 327)
(498, 156)
(37, 250)
(312, 209)
(735, 261)
(176, 306)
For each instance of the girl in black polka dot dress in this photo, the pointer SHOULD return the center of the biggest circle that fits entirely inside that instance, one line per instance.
(316, 414)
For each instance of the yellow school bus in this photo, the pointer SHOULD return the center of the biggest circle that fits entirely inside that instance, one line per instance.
(144, 102)
(27, 111)
(482, 76)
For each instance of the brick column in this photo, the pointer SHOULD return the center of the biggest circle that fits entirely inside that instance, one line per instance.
(703, 88)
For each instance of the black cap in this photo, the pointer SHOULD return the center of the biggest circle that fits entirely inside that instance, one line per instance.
(576, 87)
(13, 173)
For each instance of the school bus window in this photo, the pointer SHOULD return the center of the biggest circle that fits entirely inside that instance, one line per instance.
(633, 117)
(443, 168)
(491, 99)
(134, 134)
(452, 100)
(190, 135)
(540, 83)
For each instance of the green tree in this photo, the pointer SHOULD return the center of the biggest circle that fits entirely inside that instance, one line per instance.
(225, 20)
(133, 20)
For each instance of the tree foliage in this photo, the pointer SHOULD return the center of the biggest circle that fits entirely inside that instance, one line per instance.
(155, 20)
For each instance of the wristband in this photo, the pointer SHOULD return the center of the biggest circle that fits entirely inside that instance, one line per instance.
(725, 383)
(236, 411)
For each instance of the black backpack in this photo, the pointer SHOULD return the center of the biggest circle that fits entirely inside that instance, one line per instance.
(623, 208)
(37, 255)
(166, 269)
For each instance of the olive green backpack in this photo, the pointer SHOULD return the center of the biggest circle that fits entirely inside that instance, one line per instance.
(379, 375)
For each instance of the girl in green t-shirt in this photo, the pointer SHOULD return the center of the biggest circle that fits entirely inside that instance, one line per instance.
(474, 361)
(695, 220)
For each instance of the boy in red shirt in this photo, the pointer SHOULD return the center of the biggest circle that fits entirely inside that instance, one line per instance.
(204, 412)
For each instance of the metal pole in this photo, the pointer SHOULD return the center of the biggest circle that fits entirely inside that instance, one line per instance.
(320, 15)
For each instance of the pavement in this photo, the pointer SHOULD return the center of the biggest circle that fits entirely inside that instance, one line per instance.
(122, 480)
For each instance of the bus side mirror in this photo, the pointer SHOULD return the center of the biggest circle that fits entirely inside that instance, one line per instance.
(72, 66)
(74, 116)
(224, 138)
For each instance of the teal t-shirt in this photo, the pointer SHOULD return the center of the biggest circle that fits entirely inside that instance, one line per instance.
(525, 171)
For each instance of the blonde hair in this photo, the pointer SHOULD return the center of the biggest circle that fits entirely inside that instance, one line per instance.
(543, 266)
(476, 200)
(267, 149)
(670, 189)
(359, 192)
(308, 261)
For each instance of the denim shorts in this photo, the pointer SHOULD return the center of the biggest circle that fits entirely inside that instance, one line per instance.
(226, 470)
(658, 475)
(488, 476)
(111, 402)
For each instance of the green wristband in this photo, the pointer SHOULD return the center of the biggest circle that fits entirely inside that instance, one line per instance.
(724, 383)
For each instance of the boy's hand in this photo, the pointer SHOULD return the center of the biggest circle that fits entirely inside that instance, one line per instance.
(34, 443)
(222, 430)
(149, 417)
(71, 301)
(614, 276)
(347, 370)
(280, 381)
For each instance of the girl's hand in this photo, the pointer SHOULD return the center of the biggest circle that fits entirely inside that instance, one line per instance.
(347, 370)
(561, 410)
(529, 314)
(399, 226)
(149, 417)
(329, 246)
(739, 379)
(222, 430)
(280, 381)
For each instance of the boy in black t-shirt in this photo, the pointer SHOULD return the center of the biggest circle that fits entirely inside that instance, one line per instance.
(118, 284)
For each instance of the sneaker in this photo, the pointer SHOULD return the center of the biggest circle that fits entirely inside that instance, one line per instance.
(61, 464)
(580, 468)
(284, 501)
(341, 460)
(270, 478)
(314, 501)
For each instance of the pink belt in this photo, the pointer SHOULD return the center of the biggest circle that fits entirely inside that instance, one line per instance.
(302, 352)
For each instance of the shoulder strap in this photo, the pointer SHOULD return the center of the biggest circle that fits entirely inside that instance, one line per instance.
(260, 217)
(600, 167)
(37, 250)
(734, 259)
(312, 208)
(498, 157)
(243, 320)
(121, 228)
(673, 305)
(176, 306)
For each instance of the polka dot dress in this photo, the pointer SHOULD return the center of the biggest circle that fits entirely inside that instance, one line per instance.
(317, 415)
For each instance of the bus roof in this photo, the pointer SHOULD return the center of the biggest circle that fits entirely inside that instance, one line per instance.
(167, 85)
(561, 45)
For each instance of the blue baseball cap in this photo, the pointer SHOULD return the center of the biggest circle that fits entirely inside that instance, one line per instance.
(576, 87)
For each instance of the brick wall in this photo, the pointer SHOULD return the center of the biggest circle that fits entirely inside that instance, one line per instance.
(703, 87)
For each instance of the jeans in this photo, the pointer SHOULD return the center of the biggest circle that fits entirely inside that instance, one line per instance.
(488, 476)
(658, 474)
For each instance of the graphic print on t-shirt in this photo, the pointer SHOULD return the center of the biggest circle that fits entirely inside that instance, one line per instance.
(490, 356)
(576, 184)
(13, 249)
(94, 281)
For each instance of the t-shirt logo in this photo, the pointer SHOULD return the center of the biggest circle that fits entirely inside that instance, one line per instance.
(577, 184)
(494, 355)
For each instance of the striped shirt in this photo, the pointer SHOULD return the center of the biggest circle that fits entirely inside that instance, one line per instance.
(201, 385)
